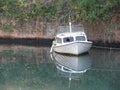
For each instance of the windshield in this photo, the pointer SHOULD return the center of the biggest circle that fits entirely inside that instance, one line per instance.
(68, 39)
(80, 38)
(59, 40)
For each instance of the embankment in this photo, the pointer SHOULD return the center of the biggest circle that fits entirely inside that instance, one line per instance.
(41, 33)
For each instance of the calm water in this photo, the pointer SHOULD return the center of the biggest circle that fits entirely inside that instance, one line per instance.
(33, 68)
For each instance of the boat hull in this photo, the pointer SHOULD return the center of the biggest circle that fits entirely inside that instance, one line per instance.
(74, 48)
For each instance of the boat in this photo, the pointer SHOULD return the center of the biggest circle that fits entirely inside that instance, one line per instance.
(71, 39)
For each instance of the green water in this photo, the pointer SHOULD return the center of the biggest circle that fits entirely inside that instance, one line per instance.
(31, 68)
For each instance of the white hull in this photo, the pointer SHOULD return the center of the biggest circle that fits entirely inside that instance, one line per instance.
(75, 48)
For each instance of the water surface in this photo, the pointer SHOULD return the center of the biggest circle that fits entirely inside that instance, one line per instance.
(32, 68)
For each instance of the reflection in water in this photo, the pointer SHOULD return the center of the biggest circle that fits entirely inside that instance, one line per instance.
(31, 68)
(105, 60)
(72, 67)
(24, 68)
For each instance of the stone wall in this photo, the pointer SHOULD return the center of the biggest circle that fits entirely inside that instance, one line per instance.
(39, 29)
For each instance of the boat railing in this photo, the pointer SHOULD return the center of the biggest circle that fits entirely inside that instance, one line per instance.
(65, 29)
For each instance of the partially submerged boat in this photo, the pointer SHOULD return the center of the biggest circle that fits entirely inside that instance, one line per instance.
(71, 40)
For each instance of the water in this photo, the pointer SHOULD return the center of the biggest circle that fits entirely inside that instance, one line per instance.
(33, 68)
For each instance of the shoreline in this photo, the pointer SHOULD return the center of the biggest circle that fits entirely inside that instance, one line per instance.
(106, 45)
(47, 42)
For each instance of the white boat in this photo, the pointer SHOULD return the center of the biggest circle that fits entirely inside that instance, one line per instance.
(71, 40)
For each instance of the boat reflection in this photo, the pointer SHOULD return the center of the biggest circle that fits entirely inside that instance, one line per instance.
(71, 67)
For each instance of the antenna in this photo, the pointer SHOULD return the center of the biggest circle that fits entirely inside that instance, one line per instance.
(70, 24)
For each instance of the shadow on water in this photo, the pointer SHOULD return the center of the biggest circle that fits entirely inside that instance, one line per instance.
(26, 41)
(32, 68)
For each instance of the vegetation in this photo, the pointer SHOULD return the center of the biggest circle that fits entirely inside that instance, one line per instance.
(57, 10)
(86, 10)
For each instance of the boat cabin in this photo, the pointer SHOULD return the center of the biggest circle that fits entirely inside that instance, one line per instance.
(63, 38)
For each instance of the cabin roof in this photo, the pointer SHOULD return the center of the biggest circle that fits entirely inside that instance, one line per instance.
(62, 35)
(66, 29)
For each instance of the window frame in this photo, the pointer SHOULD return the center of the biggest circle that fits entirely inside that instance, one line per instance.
(68, 39)
(80, 38)
(59, 40)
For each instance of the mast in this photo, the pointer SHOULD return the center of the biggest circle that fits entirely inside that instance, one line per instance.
(70, 24)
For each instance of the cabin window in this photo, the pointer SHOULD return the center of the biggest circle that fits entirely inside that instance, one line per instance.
(59, 40)
(67, 39)
(80, 38)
